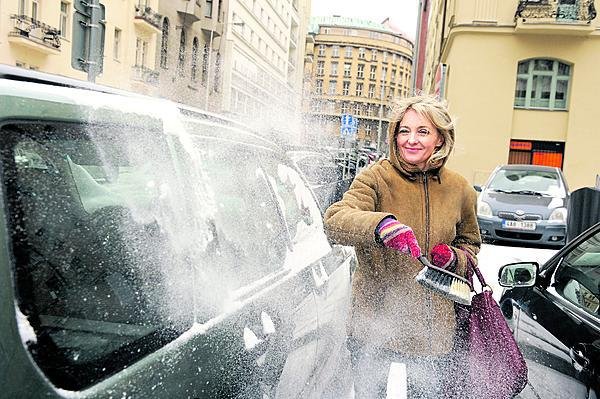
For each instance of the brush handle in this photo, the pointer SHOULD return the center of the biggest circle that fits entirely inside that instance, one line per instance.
(425, 262)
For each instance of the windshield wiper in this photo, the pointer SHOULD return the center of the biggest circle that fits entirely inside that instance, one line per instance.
(527, 192)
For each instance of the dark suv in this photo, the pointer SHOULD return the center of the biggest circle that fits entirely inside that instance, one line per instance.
(151, 250)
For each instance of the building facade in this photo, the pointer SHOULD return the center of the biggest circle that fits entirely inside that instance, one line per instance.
(521, 77)
(354, 67)
(242, 58)
(43, 35)
(264, 45)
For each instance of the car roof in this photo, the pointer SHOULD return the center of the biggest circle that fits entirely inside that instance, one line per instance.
(540, 168)
(27, 75)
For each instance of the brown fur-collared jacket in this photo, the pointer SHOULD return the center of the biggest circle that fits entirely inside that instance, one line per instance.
(389, 308)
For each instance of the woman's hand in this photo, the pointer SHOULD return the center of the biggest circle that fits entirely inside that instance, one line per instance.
(443, 256)
(398, 236)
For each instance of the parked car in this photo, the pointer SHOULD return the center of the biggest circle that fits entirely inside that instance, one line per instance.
(553, 311)
(323, 174)
(150, 250)
(524, 204)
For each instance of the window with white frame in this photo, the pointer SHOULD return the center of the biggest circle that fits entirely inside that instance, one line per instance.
(357, 108)
(371, 91)
(63, 23)
(368, 129)
(373, 55)
(348, 53)
(347, 68)
(141, 52)
(319, 87)
(321, 50)
(542, 83)
(345, 107)
(359, 89)
(360, 72)
(335, 51)
(332, 85)
(384, 56)
(334, 69)
(345, 88)
(373, 72)
(320, 68)
(361, 53)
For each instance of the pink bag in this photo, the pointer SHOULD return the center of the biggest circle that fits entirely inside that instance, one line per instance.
(496, 367)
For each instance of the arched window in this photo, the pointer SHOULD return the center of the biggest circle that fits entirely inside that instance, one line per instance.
(164, 44)
(194, 58)
(542, 83)
(181, 63)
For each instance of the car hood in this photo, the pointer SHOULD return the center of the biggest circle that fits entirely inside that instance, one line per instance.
(533, 204)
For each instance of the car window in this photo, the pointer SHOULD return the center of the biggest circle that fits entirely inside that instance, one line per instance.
(548, 183)
(577, 278)
(294, 198)
(96, 276)
(319, 170)
(249, 237)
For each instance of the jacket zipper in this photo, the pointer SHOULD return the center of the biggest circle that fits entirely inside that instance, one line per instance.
(428, 302)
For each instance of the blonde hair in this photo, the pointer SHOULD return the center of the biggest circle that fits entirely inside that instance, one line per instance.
(436, 112)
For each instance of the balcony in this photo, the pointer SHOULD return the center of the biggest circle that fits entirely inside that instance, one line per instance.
(147, 20)
(189, 10)
(559, 17)
(144, 74)
(34, 35)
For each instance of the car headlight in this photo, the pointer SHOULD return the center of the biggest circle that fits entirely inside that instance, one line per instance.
(484, 209)
(559, 215)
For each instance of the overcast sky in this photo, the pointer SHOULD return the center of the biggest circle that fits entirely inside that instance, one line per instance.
(402, 13)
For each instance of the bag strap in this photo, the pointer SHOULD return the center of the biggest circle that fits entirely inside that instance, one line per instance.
(471, 263)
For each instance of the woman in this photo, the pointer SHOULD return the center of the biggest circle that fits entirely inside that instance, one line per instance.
(399, 208)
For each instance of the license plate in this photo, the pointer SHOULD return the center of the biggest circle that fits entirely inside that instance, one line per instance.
(518, 225)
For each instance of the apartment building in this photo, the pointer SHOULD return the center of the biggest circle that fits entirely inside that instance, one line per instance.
(354, 67)
(262, 81)
(242, 58)
(45, 35)
(521, 77)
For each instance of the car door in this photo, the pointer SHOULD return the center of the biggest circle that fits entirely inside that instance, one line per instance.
(258, 264)
(558, 324)
(329, 269)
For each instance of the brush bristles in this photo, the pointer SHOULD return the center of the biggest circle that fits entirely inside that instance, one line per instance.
(449, 285)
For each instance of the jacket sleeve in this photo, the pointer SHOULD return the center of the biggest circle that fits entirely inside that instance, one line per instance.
(468, 239)
(353, 219)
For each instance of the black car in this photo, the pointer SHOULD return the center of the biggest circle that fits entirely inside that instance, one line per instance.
(155, 251)
(554, 312)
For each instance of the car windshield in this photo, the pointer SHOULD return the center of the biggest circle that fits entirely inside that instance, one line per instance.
(515, 181)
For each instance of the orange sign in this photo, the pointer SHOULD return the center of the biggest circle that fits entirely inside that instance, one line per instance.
(521, 145)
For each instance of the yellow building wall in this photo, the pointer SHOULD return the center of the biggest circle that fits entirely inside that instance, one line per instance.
(482, 42)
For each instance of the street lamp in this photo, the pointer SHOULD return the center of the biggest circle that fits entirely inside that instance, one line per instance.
(379, 130)
(208, 66)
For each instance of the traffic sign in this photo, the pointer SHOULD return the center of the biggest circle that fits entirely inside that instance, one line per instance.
(349, 125)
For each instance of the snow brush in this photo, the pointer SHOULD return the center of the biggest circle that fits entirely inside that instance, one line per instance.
(442, 281)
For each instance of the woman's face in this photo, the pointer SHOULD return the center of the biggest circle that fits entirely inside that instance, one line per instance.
(416, 139)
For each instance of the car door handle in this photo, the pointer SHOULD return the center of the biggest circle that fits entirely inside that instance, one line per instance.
(251, 341)
(578, 356)
(319, 274)
(267, 323)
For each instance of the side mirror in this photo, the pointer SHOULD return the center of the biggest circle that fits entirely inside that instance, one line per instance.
(521, 274)
(477, 188)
